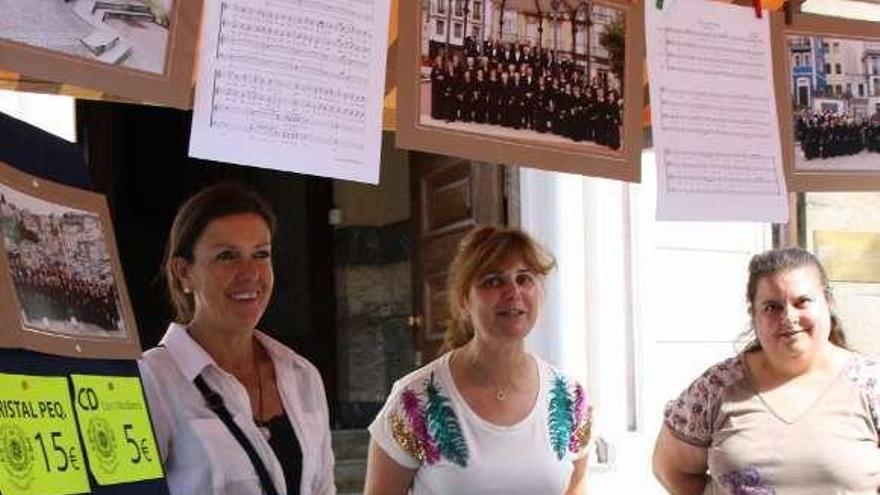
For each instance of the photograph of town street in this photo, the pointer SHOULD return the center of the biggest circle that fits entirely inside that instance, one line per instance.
(835, 88)
(544, 71)
(60, 267)
(125, 33)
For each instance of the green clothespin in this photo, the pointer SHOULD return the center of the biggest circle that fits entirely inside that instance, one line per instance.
(659, 4)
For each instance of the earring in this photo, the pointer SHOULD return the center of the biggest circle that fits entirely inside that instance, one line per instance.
(187, 290)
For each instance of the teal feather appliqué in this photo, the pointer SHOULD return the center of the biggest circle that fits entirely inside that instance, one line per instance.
(443, 426)
(560, 419)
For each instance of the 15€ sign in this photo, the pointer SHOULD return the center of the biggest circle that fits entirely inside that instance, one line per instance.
(115, 426)
(39, 443)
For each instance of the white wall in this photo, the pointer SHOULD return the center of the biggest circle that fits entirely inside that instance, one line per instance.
(51, 113)
(637, 308)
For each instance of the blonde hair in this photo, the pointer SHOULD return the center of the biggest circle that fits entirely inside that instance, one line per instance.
(480, 252)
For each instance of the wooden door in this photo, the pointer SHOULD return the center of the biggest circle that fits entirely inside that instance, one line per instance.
(449, 197)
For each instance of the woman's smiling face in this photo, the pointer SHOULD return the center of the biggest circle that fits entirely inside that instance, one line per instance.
(791, 314)
(230, 275)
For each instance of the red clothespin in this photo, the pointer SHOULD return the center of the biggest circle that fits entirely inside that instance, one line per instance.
(757, 5)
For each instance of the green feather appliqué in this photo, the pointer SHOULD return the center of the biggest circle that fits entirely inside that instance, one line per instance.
(560, 417)
(443, 426)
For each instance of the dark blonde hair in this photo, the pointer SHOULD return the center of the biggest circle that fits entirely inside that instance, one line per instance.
(783, 260)
(192, 218)
(480, 252)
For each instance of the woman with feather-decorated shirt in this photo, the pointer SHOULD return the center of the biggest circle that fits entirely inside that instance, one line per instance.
(486, 417)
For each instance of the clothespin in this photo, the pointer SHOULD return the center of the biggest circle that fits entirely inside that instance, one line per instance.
(757, 5)
(659, 4)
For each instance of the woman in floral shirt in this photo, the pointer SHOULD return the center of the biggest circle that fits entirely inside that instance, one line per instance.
(795, 414)
(486, 417)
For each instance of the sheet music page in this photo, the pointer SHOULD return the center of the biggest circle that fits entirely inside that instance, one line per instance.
(713, 112)
(294, 85)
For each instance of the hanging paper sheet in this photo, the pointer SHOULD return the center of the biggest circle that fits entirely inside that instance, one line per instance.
(715, 125)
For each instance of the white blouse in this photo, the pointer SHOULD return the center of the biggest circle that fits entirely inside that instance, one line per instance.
(199, 453)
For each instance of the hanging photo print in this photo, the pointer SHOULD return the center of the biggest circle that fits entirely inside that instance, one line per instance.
(61, 283)
(828, 90)
(550, 84)
(142, 50)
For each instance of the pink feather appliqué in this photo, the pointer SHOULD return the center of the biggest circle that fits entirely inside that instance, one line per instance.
(579, 407)
(412, 406)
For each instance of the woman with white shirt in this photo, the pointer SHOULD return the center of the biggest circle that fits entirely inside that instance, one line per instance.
(487, 417)
(235, 411)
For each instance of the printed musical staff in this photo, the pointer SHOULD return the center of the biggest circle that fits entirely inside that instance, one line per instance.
(714, 114)
(712, 173)
(298, 53)
(294, 78)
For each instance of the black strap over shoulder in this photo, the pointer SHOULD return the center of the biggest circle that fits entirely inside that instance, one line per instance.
(214, 402)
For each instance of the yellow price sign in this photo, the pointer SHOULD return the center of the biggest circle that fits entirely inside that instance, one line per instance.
(116, 429)
(39, 442)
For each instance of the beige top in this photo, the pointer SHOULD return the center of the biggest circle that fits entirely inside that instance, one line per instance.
(832, 448)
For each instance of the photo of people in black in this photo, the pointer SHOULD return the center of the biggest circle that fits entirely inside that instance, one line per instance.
(513, 85)
(835, 87)
(830, 135)
(60, 267)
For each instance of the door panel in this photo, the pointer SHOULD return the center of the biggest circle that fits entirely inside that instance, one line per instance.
(449, 197)
(437, 307)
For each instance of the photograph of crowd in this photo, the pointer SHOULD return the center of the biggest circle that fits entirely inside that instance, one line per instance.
(60, 267)
(830, 135)
(835, 88)
(126, 33)
(541, 75)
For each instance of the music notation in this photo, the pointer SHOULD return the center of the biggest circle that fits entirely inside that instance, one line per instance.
(298, 53)
(283, 79)
(711, 52)
(706, 172)
(713, 109)
(682, 110)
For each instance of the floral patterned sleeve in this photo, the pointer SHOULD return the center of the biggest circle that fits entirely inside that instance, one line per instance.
(691, 416)
(865, 372)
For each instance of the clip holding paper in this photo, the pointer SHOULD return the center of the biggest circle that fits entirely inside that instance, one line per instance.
(788, 10)
(757, 5)
(659, 4)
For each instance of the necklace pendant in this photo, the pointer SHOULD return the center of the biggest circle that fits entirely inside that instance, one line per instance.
(500, 395)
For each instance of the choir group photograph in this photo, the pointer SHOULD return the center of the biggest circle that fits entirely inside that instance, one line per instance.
(835, 88)
(554, 81)
(60, 267)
